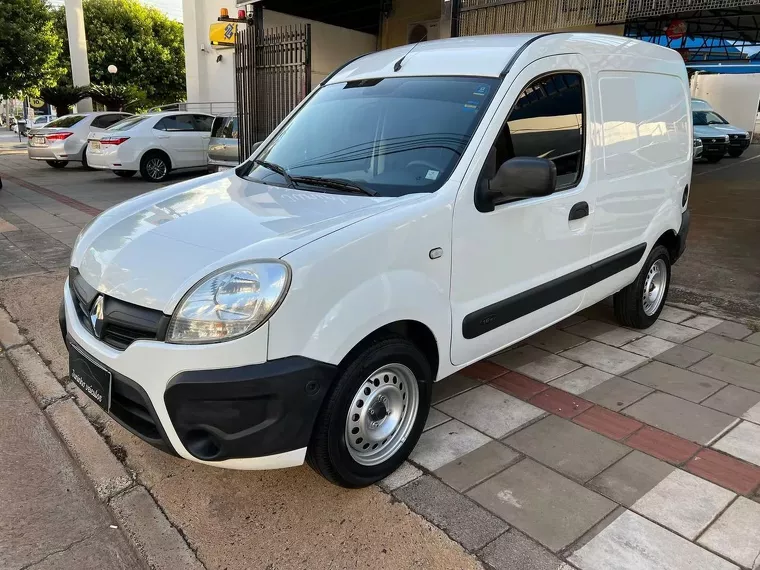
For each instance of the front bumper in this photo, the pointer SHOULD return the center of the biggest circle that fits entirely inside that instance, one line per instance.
(716, 149)
(739, 143)
(209, 403)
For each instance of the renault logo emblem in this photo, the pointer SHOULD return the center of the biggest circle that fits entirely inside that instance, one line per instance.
(96, 316)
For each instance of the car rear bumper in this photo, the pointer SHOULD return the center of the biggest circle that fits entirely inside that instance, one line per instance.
(47, 153)
(241, 416)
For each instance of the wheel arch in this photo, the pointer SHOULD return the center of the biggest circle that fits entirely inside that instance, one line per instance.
(415, 332)
(669, 240)
(159, 151)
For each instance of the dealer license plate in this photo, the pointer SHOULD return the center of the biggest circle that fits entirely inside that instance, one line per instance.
(95, 145)
(93, 379)
(38, 141)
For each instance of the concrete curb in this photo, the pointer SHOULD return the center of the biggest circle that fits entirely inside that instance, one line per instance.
(146, 526)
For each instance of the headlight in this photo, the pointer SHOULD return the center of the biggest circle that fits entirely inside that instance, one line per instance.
(229, 303)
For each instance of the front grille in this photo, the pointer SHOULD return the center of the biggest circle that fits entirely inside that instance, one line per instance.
(123, 323)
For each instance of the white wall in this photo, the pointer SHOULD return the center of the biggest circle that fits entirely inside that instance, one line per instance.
(209, 80)
(331, 46)
(734, 96)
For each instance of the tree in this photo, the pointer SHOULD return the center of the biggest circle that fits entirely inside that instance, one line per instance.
(142, 42)
(115, 97)
(29, 47)
(62, 97)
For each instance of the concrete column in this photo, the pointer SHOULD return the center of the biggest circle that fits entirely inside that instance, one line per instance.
(80, 68)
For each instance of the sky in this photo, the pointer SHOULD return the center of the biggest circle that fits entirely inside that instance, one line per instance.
(172, 8)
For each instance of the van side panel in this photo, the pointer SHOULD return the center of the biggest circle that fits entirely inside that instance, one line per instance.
(646, 137)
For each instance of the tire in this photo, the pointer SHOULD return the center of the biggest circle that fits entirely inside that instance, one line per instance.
(387, 371)
(85, 164)
(124, 173)
(57, 163)
(713, 158)
(631, 310)
(735, 152)
(155, 167)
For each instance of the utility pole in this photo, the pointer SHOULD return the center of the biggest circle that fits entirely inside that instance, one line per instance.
(80, 68)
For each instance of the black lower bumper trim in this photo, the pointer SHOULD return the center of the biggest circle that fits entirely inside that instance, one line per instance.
(251, 411)
(683, 233)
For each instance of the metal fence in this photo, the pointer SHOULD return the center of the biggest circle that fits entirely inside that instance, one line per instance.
(272, 75)
(210, 107)
(499, 16)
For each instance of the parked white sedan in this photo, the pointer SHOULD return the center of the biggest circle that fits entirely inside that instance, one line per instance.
(65, 139)
(154, 144)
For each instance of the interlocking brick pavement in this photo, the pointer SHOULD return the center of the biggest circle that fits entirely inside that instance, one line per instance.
(582, 422)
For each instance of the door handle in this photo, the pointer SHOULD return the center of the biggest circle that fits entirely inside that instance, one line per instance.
(578, 211)
(162, 136)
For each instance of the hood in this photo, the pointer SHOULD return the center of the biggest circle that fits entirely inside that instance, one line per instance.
(150, 250)
(729, 130)
(708, 131)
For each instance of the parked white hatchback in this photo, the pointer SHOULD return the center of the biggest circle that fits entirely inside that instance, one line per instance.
(153, 144)
(420, 211)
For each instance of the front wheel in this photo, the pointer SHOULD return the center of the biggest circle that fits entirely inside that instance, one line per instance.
(640, 304)
(735, 152)
(154, 167)
(374, 415)
(57, 163)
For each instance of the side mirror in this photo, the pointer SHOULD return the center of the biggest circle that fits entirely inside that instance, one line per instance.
(256, 145)
(519, 177)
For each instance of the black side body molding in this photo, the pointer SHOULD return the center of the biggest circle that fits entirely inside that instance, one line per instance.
(493, 316)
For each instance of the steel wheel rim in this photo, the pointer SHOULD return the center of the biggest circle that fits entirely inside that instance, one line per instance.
(654, 287)
(156, 168)
(382, 414)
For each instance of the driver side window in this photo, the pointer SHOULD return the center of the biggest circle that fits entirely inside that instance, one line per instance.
(547, 122)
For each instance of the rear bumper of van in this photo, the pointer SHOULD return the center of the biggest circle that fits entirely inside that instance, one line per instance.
(682, 234)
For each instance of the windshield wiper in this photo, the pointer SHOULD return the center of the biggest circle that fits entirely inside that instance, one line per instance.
(276, 168)
(336, 184)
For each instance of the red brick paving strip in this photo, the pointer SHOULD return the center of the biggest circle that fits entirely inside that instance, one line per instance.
(726, 471)
(561, 403)
(76, 204)
(484, 371)
(518, 385)
(608, 423)
(662, 445)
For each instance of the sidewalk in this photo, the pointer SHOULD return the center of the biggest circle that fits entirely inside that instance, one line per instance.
(50, 517)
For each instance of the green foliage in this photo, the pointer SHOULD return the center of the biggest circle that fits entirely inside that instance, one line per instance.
(116, 97)
(143, 43)
(29, 47)
(62, 97)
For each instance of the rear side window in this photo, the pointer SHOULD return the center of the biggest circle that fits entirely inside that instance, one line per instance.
(203, 122)
(105, 121)
(175, 123)
(127, 124)
(547, 122)
(67, 121)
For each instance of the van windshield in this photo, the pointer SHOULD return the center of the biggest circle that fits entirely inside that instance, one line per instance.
(708, 118)
(393, 136)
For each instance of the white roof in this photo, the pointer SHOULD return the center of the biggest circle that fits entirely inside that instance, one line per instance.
(488, 56)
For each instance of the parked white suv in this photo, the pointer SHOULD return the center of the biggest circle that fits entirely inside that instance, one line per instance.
(418, 212)
(153, 144)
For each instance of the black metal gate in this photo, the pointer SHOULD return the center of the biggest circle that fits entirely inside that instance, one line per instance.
(272, 75)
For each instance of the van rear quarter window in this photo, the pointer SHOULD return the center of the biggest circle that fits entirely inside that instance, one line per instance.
(645, 121)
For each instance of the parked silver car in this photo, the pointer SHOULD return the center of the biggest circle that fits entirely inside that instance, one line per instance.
(65, 139)
(223, 145)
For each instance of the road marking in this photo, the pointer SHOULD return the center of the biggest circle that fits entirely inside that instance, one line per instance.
(726, 166)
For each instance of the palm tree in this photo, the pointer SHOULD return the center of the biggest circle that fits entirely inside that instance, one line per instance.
(62, 97)
(115, 97)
